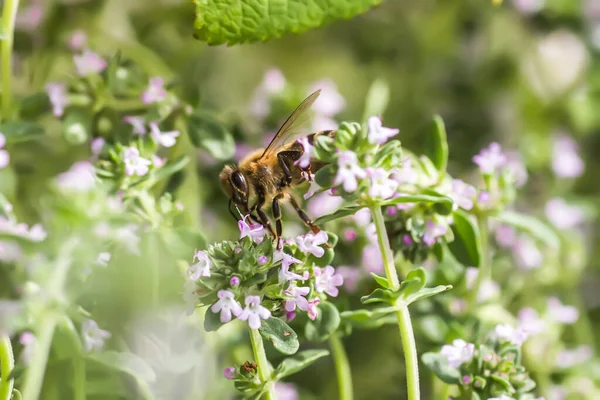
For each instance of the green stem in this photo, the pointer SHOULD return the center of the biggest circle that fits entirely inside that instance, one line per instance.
(384, 247)
(484, 272)
(342, 368)
(35, 373)
(264, 369)
(7, 363)
(406, 331)
(78, 361)
(410, 351)
(9, 13)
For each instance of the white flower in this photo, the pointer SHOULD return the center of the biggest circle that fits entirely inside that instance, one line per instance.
(165, 139)
(381, 185)
(348, 171)
(226, 305)
(311, 243)
(530, 321)
(458, 353)
(326, 280)
(490, 159)
(560, 313)
(506, 332)
(432, 232)
(569, 358)
(312, 189)
(256, 232)
(57, 93)
(93, 336)
(566, 162)
(81, 178)
(463, 194)
(406, 174)
(254, 312)
(89, 63)
(134, 163)
(488, 288)
(527, 254)
(298, 299)
(155, 91)
(200, 268)
(103, 259)
(378, 133)
(304, 160)
(138, 124)
(563, 215)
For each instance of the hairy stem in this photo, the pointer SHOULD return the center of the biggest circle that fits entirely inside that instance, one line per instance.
(35, 373)
(9, 13)
(404, 323)
(484, 272)
(7, 363)
(342, 368)
(264, 369)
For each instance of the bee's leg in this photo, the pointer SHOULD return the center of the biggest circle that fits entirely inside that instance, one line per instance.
(277, 216)
(303, 216)
(286, 158)
(261, 214)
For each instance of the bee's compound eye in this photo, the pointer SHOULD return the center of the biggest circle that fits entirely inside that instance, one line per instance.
(239, 182)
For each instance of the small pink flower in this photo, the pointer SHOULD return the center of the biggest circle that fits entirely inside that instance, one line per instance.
(29, 18)
(566, 161)
(311, 243)
(323, 203)
(326, 280)
(406, 174)
(273, 81)
(432, 232)
(159, 162)
(351, 277)
(234, 281)
(256, 232)
(312, 308)
(97, 145)
(81, 177)
(371, 259)
(200, 268)
(165, 139)
(286, 391)
(526, 253)
(458, 353)
(28, 341)
(463, 194)
(529, 7)
(286, 275)
(507, 333)
(348, 171)
(490, 159)
(560, 313)
(262, 260)
(57, 93)
(77, 40)
(229, 373)
(381, 185)
(89, 63)
(298, 299)
(516, 167)
(93, 336)
(572, 357)
(155, 92)
(254, 312)
(350, 234)
(138, 124)
(530, 321)
(304, 160)
(134, 163)
(378, 134)
(563, 215)
(226, 305)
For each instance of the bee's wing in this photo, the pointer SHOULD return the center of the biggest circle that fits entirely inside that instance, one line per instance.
(288, 132)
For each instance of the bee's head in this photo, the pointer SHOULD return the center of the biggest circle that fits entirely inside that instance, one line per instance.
(235, 186)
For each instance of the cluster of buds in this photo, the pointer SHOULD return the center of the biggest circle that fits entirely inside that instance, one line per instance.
(267, 281)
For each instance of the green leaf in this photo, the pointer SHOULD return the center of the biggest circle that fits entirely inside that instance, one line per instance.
(365, 315)
(427, 292)
(466, 246)
(298, 362)
(284, 339)
(437, 144)
(326, 323)
(380, 296)
(415, 281)
(443, 204)
(34, 105)
(325, 176)
(171, 168)
(212, 321)
(207, 132)
(531, 225)
(383, 282)
(126, 362)
(339, 213)
(378, 97)
(241, 21)
(438, 364)
(19, 131)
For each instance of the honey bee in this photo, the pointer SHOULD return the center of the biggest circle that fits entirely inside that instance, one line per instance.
(266, 175)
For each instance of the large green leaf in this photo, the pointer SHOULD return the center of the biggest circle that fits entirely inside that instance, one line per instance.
(239, 21)
(339, 213)
(126, 362)
(284, 339)
(466, 246)
(298, 362)
(327, 322)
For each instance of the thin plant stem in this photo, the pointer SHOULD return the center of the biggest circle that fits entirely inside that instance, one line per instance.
(7, 363)
(484, 272)
(9, 13)
(404, 323)
(264, 369)
(342, 368)
(411, 359)
(78, 360)
(35, 373)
